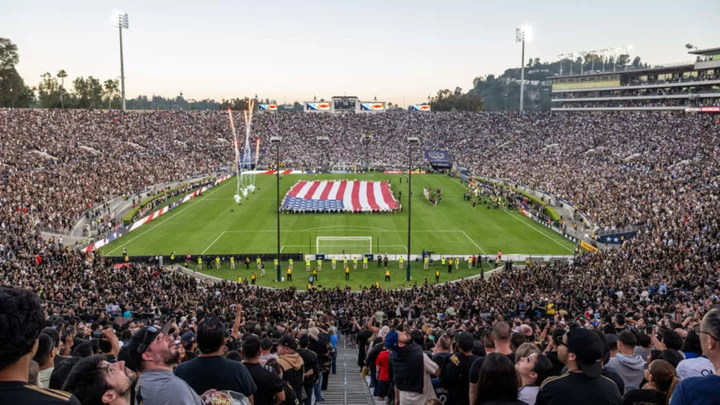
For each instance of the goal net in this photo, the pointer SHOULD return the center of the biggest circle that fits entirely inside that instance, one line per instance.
(336, 245)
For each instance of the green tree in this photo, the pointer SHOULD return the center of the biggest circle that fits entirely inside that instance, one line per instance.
(8, 54)
(48, 91)
(96, 91)
(111, 90)
(13, 91)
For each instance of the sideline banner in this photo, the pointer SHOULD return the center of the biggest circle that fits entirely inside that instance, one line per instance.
(588, 246)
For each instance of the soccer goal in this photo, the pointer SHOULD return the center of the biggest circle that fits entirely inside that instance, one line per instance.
(335, 245)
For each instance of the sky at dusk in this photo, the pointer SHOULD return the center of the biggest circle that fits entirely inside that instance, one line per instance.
(399, 51)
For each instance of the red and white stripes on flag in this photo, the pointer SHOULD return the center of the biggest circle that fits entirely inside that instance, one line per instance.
(364, 196)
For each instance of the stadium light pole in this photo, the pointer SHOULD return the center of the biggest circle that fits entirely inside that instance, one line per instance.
(275, 140)
(520, 35)
(412, 141)
(122, 22)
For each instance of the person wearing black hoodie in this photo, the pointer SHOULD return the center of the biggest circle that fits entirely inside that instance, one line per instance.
(411, 369)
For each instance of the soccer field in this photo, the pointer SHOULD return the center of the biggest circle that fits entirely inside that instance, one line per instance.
(214, 224)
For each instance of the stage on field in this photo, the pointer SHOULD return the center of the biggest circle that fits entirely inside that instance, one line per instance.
(328, 196)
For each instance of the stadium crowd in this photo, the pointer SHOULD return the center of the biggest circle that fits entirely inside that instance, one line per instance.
(632, 325)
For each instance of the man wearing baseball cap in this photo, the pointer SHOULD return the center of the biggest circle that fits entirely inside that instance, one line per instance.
(292, 364)
(152, 352)
(581, 350)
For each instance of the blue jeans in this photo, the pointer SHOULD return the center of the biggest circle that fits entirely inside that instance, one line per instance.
(317, 388)
(334, 361)
(309, 394)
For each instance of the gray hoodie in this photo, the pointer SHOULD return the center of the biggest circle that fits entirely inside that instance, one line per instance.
(630, 368)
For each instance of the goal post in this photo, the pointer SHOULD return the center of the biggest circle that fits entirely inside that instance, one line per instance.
(335, 245)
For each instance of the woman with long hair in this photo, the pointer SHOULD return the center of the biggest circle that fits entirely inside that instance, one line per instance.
(498, 381)
(661, 381)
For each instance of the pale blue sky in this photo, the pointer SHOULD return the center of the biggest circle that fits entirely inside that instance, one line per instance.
(400, 51)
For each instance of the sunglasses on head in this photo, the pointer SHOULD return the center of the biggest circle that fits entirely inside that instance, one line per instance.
(150, 331)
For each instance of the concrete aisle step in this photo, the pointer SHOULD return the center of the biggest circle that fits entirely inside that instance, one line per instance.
(347, 386)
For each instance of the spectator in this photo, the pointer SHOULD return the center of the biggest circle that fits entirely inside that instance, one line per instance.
(290, 397)
(644, 345)
(412, 370)
(706, 389)
(455, 375)
(552, 352)
(661, 381)
(497, 381)
(630, 366)
(265, 350)
(210, 370)
(45, 358)
(533, 370)
(189, 343)
(382, 365)
(581, 351)
(21, 320)
(311, 365)
(321, 349)
(269, 385)
(152, 353)
(95, 381)
(61, 372)
(501, 336)
(292, 365)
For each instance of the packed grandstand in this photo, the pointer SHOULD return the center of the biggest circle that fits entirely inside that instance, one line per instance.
(643, 309)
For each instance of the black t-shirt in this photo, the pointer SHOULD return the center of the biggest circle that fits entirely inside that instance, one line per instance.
(291, 398)
(617, 379)
(362, 339)
(577, 388)
(475, 368)
(455, 377)
(440, 359)
(19, 392)
(269, 384)
(216, 372)
(645, 397)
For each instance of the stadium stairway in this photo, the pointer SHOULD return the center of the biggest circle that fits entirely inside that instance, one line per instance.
(347, 386)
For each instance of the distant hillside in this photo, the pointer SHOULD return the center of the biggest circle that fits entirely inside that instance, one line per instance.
(502, 93)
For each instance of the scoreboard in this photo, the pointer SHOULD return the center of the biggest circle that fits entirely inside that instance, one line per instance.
(345, 104)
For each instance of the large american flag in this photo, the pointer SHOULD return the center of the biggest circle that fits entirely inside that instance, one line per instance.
(337, 196)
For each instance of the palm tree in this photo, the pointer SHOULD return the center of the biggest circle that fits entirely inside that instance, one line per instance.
(62, 75)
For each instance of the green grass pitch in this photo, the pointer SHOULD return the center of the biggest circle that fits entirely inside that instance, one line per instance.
(214, 224)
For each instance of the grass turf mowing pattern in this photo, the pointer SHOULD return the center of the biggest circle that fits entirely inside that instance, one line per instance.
(215, 224)
(329, 278)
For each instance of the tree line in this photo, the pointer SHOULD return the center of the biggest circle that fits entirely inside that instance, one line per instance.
(502, 93)
(488, 92)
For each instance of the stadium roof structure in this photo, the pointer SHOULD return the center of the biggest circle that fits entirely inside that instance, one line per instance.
(709, 51)
(671, 66)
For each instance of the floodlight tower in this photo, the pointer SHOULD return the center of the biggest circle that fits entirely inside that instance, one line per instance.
(521, 35)
(122, 21)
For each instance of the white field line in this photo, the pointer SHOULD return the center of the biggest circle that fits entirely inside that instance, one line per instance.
(525, 223)
(473, 242)
(172, 214)
(213, 242)
(344, 229)
(538, 231)
(283, 247)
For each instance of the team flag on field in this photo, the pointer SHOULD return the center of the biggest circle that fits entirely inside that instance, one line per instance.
(340, 196)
